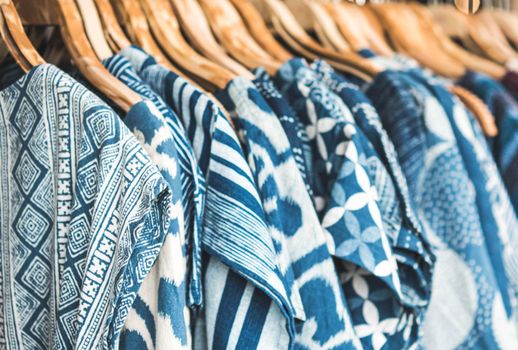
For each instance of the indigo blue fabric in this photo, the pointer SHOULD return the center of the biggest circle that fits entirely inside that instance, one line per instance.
(291, 124)
(162, 299)
(163, 293)
(248, 303)
(494, 206)
(467, 308)
(505, 110)
(410, 246)
(299, 241)
(79, 195)
(191, 177)
(348, 170)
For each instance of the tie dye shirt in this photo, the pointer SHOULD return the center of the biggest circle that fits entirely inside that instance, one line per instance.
(247, 301)
(300, 242)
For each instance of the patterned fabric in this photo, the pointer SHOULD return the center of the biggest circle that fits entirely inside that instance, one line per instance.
(347, 167)
(497, 216)
(291, 124)
(80, 201)
(243, 274)
(191, 177)
(162, 298)
(505, 110)
(398, 213)
(300, 242)
(466, 309)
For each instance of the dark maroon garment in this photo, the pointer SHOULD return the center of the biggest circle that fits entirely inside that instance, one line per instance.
(510, 81)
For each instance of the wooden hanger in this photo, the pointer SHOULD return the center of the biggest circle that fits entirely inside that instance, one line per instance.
(484, 117)
(82, 53)
(344, 15)
(455, 25)
(470, 60)
(415, 29)
(414, 38)
(301, 50)
(112, 29)
(15, 39)
(166, 29)
(94, 29)
(259, 30)
(507, 22)
(480, 34)
(325, 27)
(135, 22)
(194, 23)
(360, 27)
(232, 33)
(488, 36)
(292, 32)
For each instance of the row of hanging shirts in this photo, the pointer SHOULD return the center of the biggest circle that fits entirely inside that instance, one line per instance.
(258, 174)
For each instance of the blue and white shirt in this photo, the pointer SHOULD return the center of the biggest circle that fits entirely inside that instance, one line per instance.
(299, 240)
(247, 301)
(467, 308)
(350, 208)
(79, 195)
(496, 213)
(163, 298)
(505, 110)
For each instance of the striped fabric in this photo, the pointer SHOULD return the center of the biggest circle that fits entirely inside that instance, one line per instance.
(300, 242)
(191, 177)
(242, 273)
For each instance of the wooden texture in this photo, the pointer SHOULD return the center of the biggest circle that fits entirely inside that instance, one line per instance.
(134, 20)
(413, 37)
(326, 28)
(232, 33)
(87, 62)
(303, 51)
(112, 29)
(479, 109)
(194, 23)
(293, 29)
(259, 30)
(470, 60)
(507, 22)
(360, 27)
(488, 36)
(15, 39)
(166, 30)
(94, 28)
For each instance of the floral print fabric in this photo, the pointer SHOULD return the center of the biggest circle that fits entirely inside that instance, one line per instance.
(347, 164)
